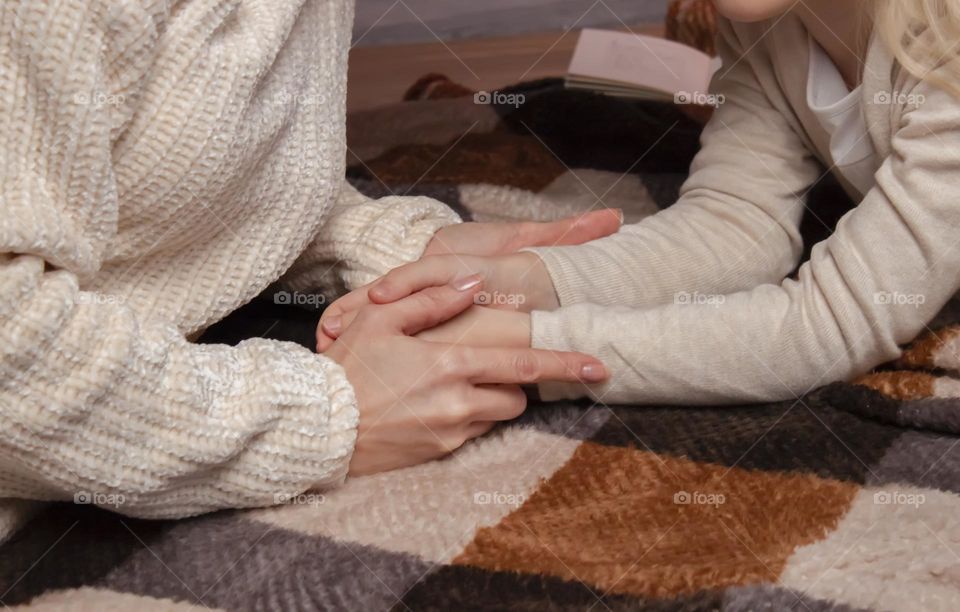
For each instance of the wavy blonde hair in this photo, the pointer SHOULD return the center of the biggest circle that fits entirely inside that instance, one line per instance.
(924, 36)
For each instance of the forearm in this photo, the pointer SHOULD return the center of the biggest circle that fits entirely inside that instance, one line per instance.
(756, 346)
(703, 243)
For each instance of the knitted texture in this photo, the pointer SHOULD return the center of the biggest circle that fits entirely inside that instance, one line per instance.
(847, 498)
(160, 165)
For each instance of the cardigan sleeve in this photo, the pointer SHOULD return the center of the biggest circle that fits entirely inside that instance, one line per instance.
(364, 238)
(873, 285)
(735, 225)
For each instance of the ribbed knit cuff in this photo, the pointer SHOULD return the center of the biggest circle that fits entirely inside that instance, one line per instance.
(311, 442)
(286, 424)
(365, 238)
(388, 233)
(402, 234)
(569, 281)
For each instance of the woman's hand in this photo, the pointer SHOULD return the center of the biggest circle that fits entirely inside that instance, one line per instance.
(420, 400)
(476, 326)
(517, 282)
(503, 238)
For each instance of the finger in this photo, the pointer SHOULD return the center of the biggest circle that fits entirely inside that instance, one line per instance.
(498, 402)
(528, 366)
(334, 326)
(324, 339)
(432, 306)
(354, 300)
(479, 428)
(573, 230)
(401, 282)
(324, 342)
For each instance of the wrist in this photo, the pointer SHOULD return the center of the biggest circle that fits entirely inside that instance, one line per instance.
(519, 329)
(533, 278)
(503, 328)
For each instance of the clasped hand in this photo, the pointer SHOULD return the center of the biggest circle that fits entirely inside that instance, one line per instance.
(436, 350)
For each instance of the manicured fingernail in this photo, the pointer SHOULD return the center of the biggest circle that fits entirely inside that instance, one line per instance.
(332, 325)
(468, 283)
(593, 372)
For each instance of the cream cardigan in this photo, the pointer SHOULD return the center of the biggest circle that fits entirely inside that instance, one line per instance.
(162, 163)
(692, 305)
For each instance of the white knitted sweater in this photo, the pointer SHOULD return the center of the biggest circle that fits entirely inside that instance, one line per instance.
(161, 163)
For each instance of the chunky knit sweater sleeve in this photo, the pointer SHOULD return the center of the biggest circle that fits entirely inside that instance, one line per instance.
(100, 404)
(160, 164)
(707, 316)
(362, 239)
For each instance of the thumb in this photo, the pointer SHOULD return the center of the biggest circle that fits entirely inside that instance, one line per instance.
(573, 230)
(432, 306)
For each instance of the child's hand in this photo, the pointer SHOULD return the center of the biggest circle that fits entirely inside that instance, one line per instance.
(503, 238)
(517, 282)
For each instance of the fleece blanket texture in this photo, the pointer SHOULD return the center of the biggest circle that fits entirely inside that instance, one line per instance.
(845, 498)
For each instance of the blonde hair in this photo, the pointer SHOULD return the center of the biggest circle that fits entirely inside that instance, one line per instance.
(924, 36)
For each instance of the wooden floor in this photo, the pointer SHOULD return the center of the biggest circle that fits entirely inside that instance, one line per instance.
(379, 75)
(394, 22)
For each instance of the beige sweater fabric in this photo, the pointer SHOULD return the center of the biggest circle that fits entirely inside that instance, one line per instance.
(692, 305)
(163, 163)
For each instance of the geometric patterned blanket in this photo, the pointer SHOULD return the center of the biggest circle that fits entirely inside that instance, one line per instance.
(844, 498)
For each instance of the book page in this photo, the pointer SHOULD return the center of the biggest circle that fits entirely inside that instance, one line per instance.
(642, 62)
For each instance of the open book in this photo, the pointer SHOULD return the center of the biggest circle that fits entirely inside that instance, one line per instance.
(638, 66)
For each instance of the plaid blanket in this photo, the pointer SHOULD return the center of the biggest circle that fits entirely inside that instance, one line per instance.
(844, 498)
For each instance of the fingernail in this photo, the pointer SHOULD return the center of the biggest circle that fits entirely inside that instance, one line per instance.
(468, 283)
(620, 214)
(332, 325)
(593, 372)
